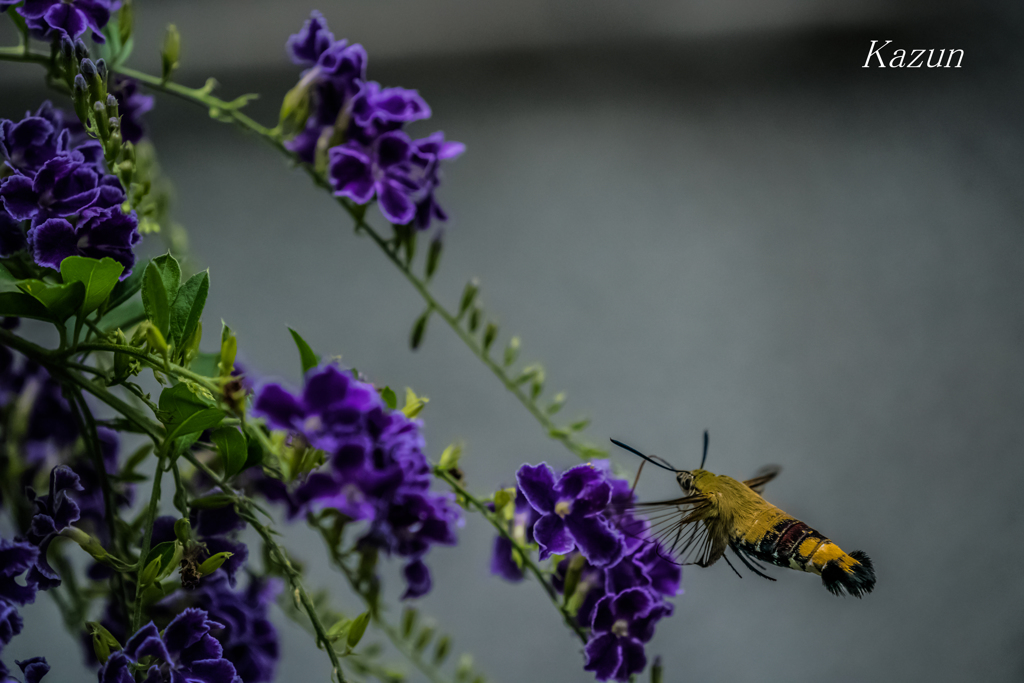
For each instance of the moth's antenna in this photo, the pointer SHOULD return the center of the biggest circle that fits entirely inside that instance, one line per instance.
(705, 456)
(645, 457)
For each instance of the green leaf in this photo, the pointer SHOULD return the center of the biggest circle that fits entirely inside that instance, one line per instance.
(188, 307)
(8, 282)
(155, 299)
(309, 359)
(60, 300)
(358, 628)
(126, 288)
(232, 448)
(185, 413)
(390, 400)
(162, 552)
(338, 629)
(99, 277)
(414, 404)
(18, 305)
(419, 328)
(170, 272)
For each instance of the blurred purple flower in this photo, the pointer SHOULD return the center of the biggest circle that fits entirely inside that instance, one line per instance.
(131, 105)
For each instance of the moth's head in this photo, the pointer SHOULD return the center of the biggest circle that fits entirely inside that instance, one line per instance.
(687, 482)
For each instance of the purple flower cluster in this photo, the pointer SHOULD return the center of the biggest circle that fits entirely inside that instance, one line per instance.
(48, 431)
(624, 578)
(361, 123)
(185, 651)
(50, 18)
(16, 558)
(58, 189)
(249, 639)
(376, 469)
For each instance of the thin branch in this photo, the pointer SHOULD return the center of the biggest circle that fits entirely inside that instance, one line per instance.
(481, 507)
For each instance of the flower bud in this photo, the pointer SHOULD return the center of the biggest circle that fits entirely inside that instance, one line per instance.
(171, 51)
(81, 51)
(511, 352)
(490, 334)
(67, 47)
(468, 295)
(101, 69)
(213, 563)
(151, 571)
(111, 106)
(434, 255)
(103, 642)
(100, 118)
(213, 501)
(80, 94)
(183, 530)
(419, 328)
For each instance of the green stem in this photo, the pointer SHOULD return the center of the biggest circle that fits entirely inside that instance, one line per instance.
(378, 619)
(47, 359)
(245, 508)
(147, 539)
(90, 436)
(481, 507)
(150, 360)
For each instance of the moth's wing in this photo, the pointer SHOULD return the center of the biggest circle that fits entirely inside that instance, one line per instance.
(684, 529)
(763, 476)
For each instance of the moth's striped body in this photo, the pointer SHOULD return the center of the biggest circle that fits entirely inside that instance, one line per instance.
(718, 512)
(784, 541)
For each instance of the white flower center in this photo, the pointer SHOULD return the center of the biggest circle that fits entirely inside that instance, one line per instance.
(313, 423)
(563, 507)
(620, 628)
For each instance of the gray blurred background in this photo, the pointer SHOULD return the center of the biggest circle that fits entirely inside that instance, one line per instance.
(698, 216)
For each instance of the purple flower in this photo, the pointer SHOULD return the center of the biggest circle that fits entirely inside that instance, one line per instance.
(383, 171)
(54, 513)
(248, 638)
(622, 624)
(131, 105)
(34, 668)
(376, 468)
(427, 155)
(72, 17)
(306, 46)
(31, 142)
(571, 512)
(185, 653)
(16, 557)
(64, 186)
(378, 110)
(107, 232)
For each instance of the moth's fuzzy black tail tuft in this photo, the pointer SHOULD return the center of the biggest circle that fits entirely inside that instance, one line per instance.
(856, 581)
